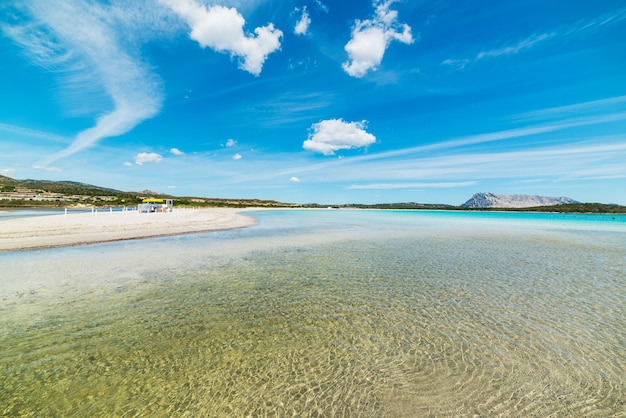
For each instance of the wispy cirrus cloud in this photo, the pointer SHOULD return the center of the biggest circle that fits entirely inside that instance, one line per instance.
(291, 106)
(321, 6)
(572, 161)
(597, 156)
(21, 131)
(47, 168)
(514, 48)
(511, 48)
(601, 106)
(88, 44)
(94, 51)
(597, 23)
(464, 141)
(517, 46)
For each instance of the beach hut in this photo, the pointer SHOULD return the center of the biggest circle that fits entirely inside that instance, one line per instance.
(152, 204)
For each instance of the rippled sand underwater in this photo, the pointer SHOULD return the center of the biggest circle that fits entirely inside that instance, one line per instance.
(389, 324)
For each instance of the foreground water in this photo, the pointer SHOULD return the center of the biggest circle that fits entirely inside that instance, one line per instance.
(325, 313)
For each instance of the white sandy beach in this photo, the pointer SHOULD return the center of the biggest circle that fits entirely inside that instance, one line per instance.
(104, 226)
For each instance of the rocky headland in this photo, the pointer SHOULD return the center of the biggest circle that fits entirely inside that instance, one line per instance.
(492, 200)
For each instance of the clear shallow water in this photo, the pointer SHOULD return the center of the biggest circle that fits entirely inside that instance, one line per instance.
(324, 313)
(25, 213)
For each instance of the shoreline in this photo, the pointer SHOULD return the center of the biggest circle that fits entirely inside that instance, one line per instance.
(75, 229)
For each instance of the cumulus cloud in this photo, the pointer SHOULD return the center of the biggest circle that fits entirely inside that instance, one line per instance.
(221, 29)
(128, 164)
(302, 26)
(147, 157)
(231, 143)
(176, 151)
(87, 44)
(294, 180)
(371, 37)
(237, 157)
(332, 135)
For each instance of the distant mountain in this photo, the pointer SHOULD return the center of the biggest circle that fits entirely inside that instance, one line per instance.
(493, 200)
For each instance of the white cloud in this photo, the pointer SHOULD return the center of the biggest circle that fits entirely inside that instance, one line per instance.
(321, 6)
(514, 48)
(302, 26)
(331, 135)
(601, 106)
(231, 143)
(147, 157)
(176, 151)
(128, 164)
(608, 19)
(221, 29)
(7, 171)
(27, 132)
(237, 157)
(47, 168)
(458, 64)
(500, 135)
(294, 180)
(510, 48)
(371, 37)
(88, 44)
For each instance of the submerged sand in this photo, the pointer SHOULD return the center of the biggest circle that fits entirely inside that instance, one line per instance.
(104, 226)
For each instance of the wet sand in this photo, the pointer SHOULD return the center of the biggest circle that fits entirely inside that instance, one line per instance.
(103, 226)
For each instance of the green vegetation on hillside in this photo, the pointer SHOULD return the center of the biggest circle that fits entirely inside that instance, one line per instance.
(564, 208)
(59, 194)
(578, 208)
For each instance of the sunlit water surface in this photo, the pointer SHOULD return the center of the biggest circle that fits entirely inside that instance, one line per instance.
(325, 313)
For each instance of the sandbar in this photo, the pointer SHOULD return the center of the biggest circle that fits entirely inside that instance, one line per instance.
(104, 226)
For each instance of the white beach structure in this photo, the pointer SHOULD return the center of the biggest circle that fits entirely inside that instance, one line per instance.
(150, 205)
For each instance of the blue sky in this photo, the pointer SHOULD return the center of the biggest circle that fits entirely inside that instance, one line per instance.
(317, 100)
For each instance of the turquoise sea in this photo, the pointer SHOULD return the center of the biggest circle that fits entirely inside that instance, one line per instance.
(325, 313)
